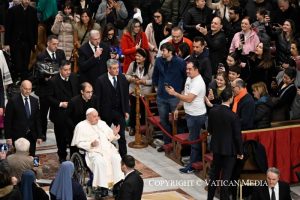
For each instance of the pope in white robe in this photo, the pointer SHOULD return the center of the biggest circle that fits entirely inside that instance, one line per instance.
(95, 137)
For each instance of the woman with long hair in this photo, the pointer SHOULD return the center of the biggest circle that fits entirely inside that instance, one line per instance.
(139, 72)
(83, 27)
(64, 27)
(263, 105)
(283, 36)
(110, 37)
(216, 88)
(132, 39)
(261, 66)
(155, 33)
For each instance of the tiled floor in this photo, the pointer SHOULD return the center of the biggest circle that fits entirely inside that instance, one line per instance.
(166, 168)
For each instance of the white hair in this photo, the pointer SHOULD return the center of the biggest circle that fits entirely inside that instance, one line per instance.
(22, 144)
(94, 32)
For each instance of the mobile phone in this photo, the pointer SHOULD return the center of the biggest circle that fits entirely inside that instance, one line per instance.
(242, 37)
(166, 84)
(3, 147)
(135, 76)
(202, 25)
(36, 161)
(298, 87)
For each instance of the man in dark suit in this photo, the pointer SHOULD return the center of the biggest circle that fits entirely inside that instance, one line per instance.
(92, 58)
(22, 118)
(113, 100)
(64, 86)
(54, 55)
(21, 36)
(133, 184)
(226, 144)
(78, 106)
(272, 189)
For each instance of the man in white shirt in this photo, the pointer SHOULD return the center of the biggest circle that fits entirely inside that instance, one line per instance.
(193, 102)
(272, 189)
(102, 157)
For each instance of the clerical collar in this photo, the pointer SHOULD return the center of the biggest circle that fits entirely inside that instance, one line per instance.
(63, 78)
(129, 173)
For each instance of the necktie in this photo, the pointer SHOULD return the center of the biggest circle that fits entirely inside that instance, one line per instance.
(273, 194)
(115, 82)
(27, 107)
(53, 56)
(95, 48)
(224, 16)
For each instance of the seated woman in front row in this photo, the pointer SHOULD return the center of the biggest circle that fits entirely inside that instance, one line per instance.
(263, 106)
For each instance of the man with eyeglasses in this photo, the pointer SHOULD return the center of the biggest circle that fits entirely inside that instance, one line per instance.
(177, 39)
(78, 106)
(243, 104)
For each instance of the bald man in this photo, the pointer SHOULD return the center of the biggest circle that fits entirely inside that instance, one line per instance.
(102, 157)
(92, 58)
(22, 118)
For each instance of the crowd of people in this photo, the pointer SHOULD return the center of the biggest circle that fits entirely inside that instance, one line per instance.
(89, 56)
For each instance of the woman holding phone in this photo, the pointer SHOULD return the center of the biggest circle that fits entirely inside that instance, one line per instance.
(139, 72)
(132, 39)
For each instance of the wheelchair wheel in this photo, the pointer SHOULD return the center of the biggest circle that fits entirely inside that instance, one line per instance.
(80, 171)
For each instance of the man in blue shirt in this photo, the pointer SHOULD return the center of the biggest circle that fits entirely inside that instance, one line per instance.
(169, 70)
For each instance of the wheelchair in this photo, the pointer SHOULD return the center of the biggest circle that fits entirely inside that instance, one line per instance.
(82, 173)
(84, 176)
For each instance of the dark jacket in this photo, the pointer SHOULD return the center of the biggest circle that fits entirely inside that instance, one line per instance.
(77, 108)
(283, 46)
(263, 112)
(172, 72)
(21, 26)
(283, 101)
(59, 93)
(262, 192)
(277, 16)
(131, 188)
(196, 16)
(217, 49)
(43, 88)
(16, 123)
(225, 129)
(10, 193)
(90, 68)
(205, 65)
(105, 96)
(246, 112)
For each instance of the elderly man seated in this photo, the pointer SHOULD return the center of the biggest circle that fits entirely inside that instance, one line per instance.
(102, 157)
(21, 160)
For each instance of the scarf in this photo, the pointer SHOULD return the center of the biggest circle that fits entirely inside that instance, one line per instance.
(176, 45)
(237, 99)
(138, 38)
(4, 70)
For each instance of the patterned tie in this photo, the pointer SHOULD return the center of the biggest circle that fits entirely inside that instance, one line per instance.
(273, 194)
(27, 108)
(115, 82)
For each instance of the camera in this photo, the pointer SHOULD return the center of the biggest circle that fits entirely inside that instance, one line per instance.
(36, 161)
(65, 18)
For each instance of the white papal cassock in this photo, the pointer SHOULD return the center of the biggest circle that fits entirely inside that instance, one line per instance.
(103, 160)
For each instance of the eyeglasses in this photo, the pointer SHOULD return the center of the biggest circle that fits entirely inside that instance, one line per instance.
(156, 16)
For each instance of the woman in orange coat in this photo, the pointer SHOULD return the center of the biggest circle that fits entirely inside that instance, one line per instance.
(132, 39)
